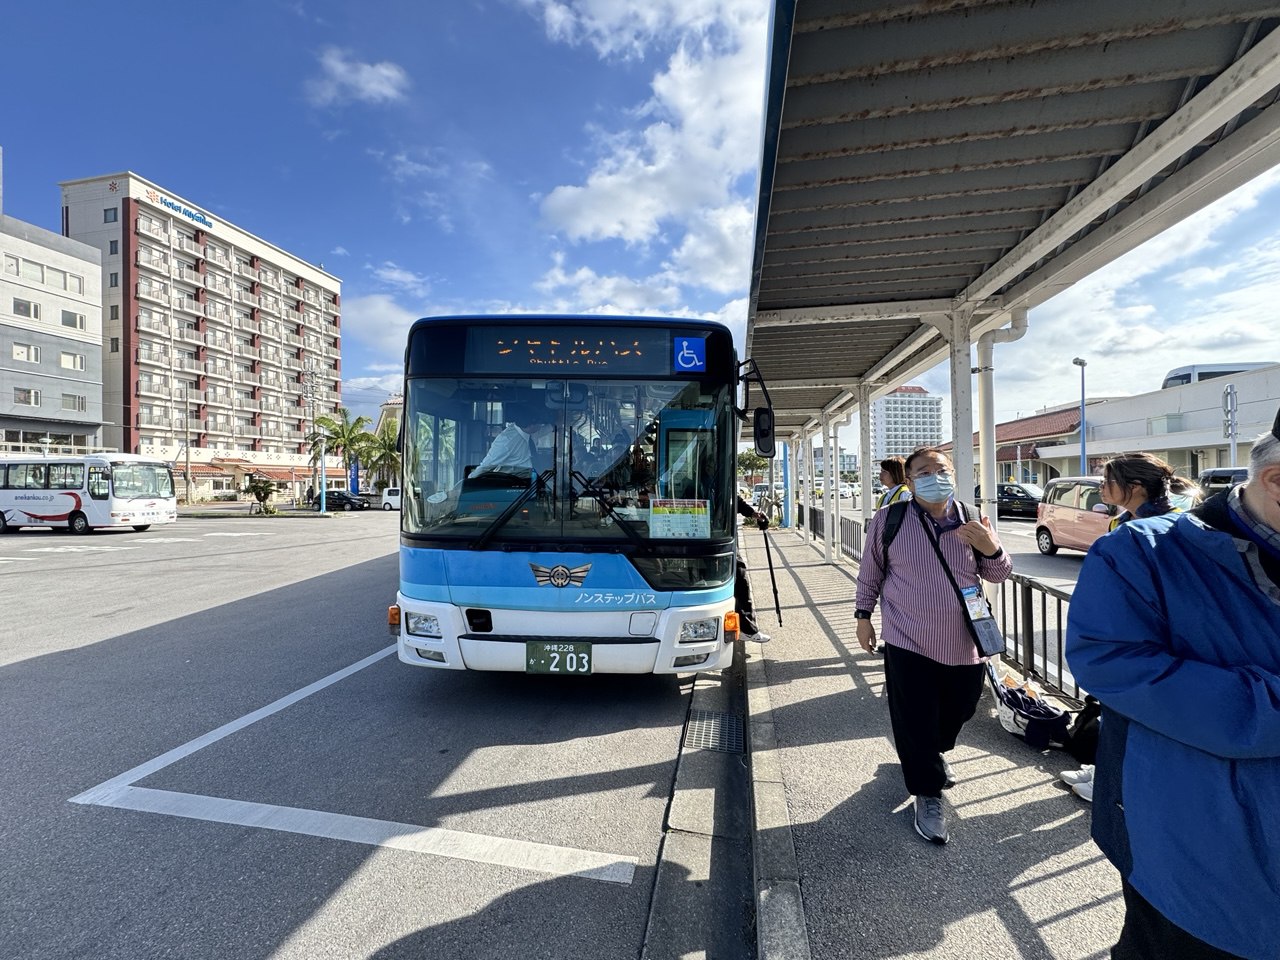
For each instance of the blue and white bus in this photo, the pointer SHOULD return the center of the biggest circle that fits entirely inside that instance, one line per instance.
(609, 548)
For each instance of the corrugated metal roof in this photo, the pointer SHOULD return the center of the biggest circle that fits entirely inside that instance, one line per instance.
(925, 156)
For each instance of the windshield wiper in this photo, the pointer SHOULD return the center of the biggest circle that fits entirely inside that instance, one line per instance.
(513, 507)
(577, 479)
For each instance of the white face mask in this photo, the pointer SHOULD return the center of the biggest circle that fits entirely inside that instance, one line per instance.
(934, 488)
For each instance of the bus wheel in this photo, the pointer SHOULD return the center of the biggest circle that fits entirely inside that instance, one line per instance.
(142, 526)
(78, 523)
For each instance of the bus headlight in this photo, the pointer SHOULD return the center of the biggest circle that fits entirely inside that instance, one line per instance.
(699, 631)
(422, 624)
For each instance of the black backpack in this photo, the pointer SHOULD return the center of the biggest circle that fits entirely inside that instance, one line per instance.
(893, 523)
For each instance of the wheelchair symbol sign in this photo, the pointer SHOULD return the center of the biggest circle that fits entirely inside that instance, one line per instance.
(690, 355)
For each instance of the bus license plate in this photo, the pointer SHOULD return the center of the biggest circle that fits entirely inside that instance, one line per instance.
(544, 657)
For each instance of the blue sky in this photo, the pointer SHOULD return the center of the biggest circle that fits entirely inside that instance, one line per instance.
(570, 155)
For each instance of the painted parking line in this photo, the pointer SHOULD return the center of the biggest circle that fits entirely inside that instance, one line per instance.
(454, 844)
(437, 841)
(250, 533)
(165, 540)
(78, 548)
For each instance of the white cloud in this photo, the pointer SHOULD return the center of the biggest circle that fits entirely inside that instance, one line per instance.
(585, 291)
(378, 322)
(716, 250)
(626, 28)
(393, 275)
(340, 251)
(344, 80)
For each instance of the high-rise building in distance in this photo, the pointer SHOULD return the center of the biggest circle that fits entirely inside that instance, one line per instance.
(901, 421)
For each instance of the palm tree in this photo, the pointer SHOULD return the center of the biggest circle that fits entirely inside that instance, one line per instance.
(381, 455)
(340, 435)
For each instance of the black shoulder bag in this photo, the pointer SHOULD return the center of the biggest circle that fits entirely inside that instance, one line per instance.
(986, 634)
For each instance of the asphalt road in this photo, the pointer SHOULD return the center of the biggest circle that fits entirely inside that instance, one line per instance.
(391, 812)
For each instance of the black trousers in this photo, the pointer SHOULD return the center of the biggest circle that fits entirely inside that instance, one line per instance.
(928, 704)
(1148, 935)
(742, 600)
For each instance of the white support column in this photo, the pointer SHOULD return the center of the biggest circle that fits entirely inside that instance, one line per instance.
(986, 409)
(867, 471)
(828, 510)
(810, 472)
(954, 327)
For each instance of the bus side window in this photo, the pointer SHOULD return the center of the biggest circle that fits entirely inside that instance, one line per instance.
(99, 483)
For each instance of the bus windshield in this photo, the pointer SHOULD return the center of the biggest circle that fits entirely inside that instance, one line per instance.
(532, 460)
(130, 480)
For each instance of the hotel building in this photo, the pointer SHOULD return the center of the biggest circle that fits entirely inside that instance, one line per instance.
(218, 348)
(901, 421)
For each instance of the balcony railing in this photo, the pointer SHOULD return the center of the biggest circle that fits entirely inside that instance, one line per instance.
(191, 336)
(153, 388)
(189, 246)
(250, 298)
(243, 377)
(153, 291)
(218, 342)
(153, 356)
(189, 396)
(187, 305)
(151, 228)
(152, 262)
(243, 350)
(155, 420)
(293, 339)
(222, 370)
(182, 272)
(269, 303)
(244, 270)
(188, 363)
(153, 323)
(218, 257)
(218, 311)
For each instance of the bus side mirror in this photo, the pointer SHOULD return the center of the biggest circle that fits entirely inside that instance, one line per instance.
(762, 427)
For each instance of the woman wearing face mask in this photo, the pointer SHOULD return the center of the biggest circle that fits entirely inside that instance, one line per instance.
(933, 673)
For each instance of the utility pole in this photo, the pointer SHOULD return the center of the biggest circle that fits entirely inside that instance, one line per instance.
(309, 391)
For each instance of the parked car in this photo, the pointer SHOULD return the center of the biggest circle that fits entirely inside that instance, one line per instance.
(847, 490)
(1015, 499)
(760, 490)
(1072, 514)
(1217, 479)
(343, 500)
(391, 498)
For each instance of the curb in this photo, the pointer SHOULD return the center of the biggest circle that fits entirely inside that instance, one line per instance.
(781, 933)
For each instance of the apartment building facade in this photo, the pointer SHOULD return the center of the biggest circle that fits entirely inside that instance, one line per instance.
(50, 341)
(219, 348)
(901, 421)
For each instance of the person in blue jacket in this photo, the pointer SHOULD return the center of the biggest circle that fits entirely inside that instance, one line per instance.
(1175, 627)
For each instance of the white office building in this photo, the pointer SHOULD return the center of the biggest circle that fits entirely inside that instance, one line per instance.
(219, 348)
(901, 421)
(50, 341)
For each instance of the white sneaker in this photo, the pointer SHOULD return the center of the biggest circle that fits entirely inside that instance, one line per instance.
(1072, 777)
(1083, 790)
(756, 637)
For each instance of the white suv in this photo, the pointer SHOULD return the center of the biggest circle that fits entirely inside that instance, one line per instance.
(391, 498)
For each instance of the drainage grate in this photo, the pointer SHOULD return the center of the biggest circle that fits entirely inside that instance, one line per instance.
(709, 730)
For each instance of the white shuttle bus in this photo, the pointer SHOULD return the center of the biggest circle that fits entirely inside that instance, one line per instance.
(84, 493)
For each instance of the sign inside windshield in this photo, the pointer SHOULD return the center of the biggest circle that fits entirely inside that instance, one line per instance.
(626, 351)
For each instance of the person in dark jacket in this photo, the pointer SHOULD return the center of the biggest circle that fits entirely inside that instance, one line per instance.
(1175, 627)
(749, 628)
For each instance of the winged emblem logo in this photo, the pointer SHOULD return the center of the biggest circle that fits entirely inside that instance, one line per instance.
(559, 575)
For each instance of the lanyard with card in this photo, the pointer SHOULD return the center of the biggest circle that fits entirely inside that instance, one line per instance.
(986, 633)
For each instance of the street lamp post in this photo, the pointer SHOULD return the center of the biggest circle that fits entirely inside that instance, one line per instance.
(1084, 461)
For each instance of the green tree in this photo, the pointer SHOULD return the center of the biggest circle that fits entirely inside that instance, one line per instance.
(261, 489)
(341, 436)
(381, 456)
(751, 464)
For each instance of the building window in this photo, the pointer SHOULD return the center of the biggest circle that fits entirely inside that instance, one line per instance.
(26, 397)
(73, 320)
(115, 311)
(11, 265)
(75, 283)
(55, 278)
(32, 271)
(115, 344)
(25, 308)
(26, 352)
(72, 361)
(113, 280)
(110, 215)
(74, 403)
(113, 248)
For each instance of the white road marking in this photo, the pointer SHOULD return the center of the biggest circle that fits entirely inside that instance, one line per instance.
(255, 533)
(477, 848)
(16, 559)
(165, 540)
(78, 548)
(436, 841)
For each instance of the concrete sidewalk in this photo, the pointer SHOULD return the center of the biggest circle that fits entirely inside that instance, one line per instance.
(840, 871)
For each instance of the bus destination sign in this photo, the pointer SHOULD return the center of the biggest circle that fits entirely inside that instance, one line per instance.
(590, 351)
